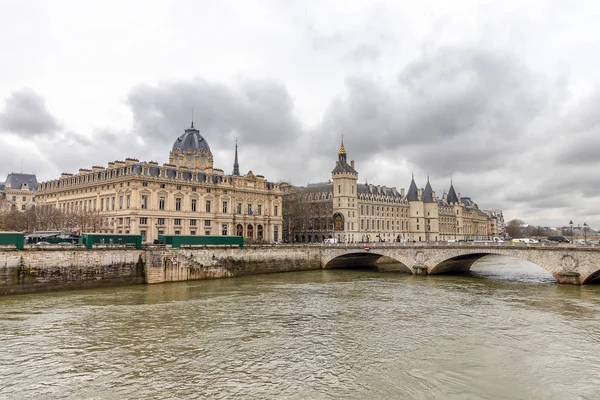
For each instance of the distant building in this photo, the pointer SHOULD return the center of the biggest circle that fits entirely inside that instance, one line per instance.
(19, 190)
(186, 196)
(497, 226)
(348, 211)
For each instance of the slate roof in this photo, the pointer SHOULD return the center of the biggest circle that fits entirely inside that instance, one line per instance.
(428, 193)
(467, 201)
(191, 140)
(325, 187)
(1, 187)
(16, 181)
(341, 166)
(452, 197)
(412, 194)
(363, 188)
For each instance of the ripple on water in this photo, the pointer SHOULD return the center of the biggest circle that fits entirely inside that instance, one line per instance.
(308, 335)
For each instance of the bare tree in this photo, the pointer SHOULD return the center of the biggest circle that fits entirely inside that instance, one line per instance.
(514, 228)
(296, 213)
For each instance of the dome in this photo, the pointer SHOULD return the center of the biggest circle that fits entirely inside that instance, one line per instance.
(191, 140)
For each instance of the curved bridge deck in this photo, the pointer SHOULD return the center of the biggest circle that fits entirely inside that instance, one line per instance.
(570, 264)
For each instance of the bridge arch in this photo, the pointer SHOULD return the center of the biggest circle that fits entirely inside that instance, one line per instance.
(375, 261)
(570, 265)
(564, 268)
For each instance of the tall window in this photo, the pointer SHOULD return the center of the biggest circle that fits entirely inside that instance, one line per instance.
(192, 222)
(224, 229)
(194, 205)
(276, 233)
(144, 202)
(207, 205)
(127, 201)
(120, 202)
(275, 210)
(177, 221)
(259, 209)
(178, 204)
(207, 222)
(250, 212)
(224, 207)
(161, 203)
(239, 208)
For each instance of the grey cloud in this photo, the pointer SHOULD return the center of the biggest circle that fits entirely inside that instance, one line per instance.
(456, 107)
(581, 131)
(25, 114)
(363, 53)
(258, 112)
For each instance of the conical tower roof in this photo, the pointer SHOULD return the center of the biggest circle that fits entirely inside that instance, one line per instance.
(428, 193)
(452, 197)
(412, 194)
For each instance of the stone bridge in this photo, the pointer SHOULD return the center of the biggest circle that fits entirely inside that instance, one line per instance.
(567, 263)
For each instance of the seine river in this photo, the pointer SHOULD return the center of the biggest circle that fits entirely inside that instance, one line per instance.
(505, 332)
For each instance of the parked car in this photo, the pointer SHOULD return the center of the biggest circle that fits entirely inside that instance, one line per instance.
(559, 239)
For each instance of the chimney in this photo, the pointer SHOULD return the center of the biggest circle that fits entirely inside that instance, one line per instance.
(402, 192)
(352, 163)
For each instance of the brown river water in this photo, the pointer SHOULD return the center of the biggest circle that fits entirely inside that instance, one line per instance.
(507, 331)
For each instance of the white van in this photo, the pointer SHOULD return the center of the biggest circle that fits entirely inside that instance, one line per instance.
(330, 241)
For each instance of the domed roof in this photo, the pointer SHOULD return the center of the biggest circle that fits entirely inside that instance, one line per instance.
(191, 140)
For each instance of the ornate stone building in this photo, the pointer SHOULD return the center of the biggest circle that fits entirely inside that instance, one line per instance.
(186, 196)
(352, 212)
(19, 190)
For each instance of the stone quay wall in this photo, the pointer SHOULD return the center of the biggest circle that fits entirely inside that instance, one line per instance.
(45, 269)
(183, 264)
(40, 270)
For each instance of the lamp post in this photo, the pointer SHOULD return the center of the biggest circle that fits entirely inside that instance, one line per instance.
(585, 226)
(571, 225)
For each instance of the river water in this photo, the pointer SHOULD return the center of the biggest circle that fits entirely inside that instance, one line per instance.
(508, 331)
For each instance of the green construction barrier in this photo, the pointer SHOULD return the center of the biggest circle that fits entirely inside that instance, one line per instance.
(90, 239)
(178, 240)
(13, 238)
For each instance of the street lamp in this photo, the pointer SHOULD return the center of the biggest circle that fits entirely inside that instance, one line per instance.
(585, 226)
(571, 225)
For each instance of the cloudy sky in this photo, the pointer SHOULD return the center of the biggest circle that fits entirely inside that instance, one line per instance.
(501, 95)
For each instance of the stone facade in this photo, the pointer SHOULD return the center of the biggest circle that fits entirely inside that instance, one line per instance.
(19, 190)
(350, 212)
(186, 196)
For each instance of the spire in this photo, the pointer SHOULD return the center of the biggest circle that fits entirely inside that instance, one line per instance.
(236, 166)
(192, 127)
(342, 152)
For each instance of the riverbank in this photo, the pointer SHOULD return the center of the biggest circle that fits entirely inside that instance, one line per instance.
(51, 269)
